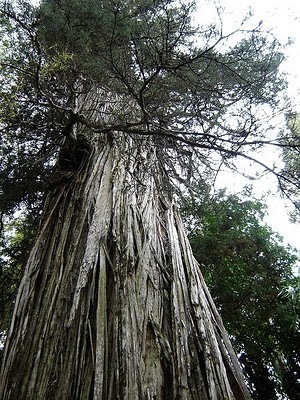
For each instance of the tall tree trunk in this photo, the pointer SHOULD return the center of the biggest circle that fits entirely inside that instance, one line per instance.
(112, 304)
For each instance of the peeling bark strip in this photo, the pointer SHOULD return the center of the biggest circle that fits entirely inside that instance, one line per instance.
(112, 304)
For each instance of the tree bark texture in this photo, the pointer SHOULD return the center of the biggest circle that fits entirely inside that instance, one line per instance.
(112, 304)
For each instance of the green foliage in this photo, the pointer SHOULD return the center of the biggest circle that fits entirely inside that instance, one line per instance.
(250, 276)
(15, 246)
(27, 149)
(27, 138)
(28, 141)
(147, 53)
(126, 47)
(291, 159)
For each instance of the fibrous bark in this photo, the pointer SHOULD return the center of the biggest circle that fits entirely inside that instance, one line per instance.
(112, 304)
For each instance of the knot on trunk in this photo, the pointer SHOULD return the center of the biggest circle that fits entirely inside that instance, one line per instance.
(74, 152)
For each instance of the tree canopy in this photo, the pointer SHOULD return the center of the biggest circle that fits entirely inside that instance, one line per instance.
(202, 99)
(291, 161)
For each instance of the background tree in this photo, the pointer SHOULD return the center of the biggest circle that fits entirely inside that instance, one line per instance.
(14, 251)
(250, 275)
(291, 161)
(112, 303)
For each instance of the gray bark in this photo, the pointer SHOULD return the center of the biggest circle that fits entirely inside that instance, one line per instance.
(112, 304)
